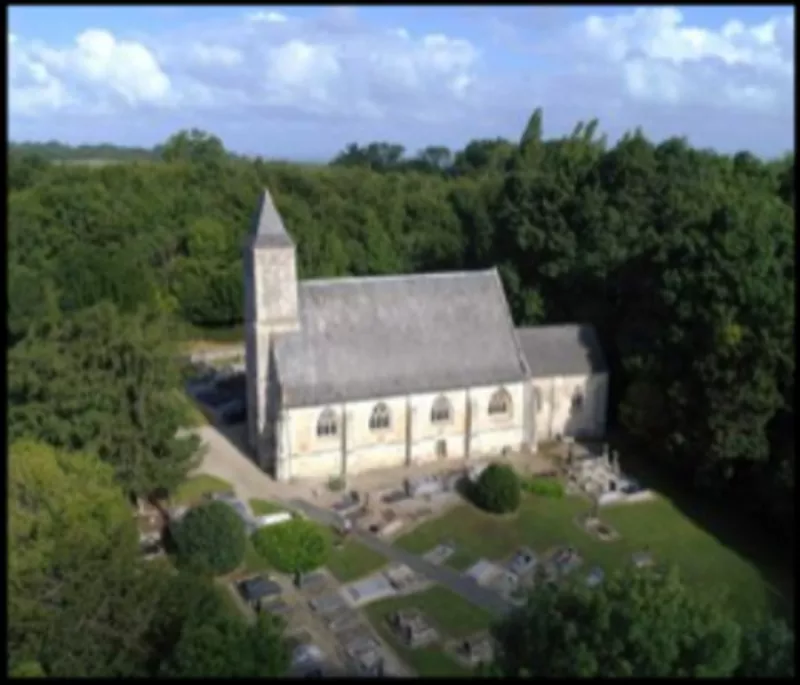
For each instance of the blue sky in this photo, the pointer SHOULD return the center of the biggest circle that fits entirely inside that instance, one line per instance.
(302, 82)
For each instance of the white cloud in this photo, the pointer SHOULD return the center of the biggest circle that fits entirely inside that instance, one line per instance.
(268, 17)
(663, 59)
(208, 55)
(97, 67)
(298, 71)
(638, 66)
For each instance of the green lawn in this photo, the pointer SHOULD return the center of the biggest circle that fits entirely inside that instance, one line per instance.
(262, 507)
(453, 617)
(234, 606)
(543, 523)
(193, 489)
(353, 560)
(253, 561)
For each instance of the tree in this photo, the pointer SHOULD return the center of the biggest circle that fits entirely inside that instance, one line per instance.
(195, 146)
(497, 489)
(637, 624)
(297, 546)
(227, 647)
(767, 650)
(79, 603)
(105, 382)
(198, 633)
(532, 134)
(27, 669)
(24, 168)
(210, 538)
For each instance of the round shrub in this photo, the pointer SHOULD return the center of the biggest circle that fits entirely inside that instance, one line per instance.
(497, 490)
(210, 539)
(297, 546)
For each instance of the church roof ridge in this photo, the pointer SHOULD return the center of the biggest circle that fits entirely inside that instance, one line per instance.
(384, 278)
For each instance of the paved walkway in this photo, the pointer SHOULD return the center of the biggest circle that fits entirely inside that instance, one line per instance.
(224, 460)
(453, 580)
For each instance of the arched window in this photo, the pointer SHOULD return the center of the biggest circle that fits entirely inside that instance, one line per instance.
(380, 417)
(577, 399)
(442, 411)
(537, 400)
(327, 425)
(500, 403)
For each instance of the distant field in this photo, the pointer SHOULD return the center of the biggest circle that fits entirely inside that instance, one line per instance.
(101, 162)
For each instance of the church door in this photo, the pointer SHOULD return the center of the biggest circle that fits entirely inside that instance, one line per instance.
(441, 449)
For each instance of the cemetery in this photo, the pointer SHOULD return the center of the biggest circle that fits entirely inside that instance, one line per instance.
(440, 554)
(563, 561)
(369, 589)
(591, 523)
(424, 629)
(599, 476)
(655, 523)
(412, 628)
(396, 579)
(307, 659)
(391, 511)
(258, 591)
(509, 579)
(595, 576)
(472, 651)
(346, 619)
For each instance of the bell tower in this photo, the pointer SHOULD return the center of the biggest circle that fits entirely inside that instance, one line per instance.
(270, 308)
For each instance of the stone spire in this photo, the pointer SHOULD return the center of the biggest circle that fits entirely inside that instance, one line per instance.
(268, 229)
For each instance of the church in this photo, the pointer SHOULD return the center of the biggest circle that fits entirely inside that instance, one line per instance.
(347, 375)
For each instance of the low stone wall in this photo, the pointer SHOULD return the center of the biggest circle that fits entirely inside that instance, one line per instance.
(219, 354)
(621, 498)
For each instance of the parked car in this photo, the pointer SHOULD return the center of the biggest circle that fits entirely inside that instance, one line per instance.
(235, 415)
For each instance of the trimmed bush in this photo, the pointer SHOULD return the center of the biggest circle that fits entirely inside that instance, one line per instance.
(544, 487)
(210, 539)
(297, 546)
(497, 490)
(336, 484)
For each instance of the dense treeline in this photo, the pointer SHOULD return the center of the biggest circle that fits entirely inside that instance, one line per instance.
(54, 151)
(682, 258)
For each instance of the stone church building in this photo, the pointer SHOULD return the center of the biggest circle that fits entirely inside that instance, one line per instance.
(347, 375)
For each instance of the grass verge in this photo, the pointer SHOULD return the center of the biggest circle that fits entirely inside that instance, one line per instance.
(193, 490)
(353, 560)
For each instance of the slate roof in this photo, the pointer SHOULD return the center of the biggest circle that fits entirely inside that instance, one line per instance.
(563, 350)
(380, 336)
(268, 229)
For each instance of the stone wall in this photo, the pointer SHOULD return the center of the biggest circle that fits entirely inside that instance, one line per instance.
(555, 414)
(270, 308)
(411, 437)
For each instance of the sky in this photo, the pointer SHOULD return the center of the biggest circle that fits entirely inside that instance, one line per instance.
(302, 82)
